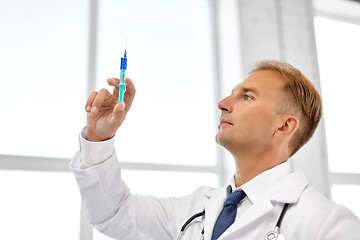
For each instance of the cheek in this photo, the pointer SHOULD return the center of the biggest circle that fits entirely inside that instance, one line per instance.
(258, 120)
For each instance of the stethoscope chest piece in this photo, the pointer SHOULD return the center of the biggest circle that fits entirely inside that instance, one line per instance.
(271, 235)
(274, 235)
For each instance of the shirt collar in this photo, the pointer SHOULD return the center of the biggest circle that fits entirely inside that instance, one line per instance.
(260, 186)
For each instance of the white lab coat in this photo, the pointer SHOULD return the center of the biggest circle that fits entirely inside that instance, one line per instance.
(117, 213)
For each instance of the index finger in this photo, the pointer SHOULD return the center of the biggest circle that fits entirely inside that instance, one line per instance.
(115, 83)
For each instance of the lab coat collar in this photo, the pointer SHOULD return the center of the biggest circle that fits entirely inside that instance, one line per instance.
(287, 190)
(260, 186)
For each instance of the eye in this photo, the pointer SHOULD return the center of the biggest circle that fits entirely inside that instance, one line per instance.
(247, 97)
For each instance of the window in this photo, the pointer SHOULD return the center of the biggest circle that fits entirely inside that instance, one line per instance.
(43, 74)
(170, 62)
(338, 51)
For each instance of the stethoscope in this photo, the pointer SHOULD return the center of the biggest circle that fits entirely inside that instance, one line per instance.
(270, 235)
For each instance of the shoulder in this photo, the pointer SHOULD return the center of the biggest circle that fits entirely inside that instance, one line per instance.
(314, 200)
(312, 215)
(316, 203)
(324, 218)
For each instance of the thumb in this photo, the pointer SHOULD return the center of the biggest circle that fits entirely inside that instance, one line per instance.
(118, 115)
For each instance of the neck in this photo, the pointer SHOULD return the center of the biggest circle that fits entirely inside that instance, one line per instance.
(249, 165)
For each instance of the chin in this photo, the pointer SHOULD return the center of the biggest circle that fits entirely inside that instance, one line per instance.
(217, 138)
(228, 142)
(221, 140)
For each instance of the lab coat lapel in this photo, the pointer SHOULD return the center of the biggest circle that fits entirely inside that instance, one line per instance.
(288, 190)
(212, 210)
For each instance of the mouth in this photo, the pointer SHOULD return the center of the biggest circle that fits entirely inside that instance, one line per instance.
(223, 122)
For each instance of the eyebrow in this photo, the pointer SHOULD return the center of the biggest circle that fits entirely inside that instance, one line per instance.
(246, 89)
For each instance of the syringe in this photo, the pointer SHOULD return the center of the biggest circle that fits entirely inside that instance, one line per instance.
(122, 83)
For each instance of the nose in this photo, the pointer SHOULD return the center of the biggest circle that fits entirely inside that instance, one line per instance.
(224, 105)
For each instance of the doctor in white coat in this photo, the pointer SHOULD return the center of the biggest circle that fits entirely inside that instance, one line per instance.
(265, 120)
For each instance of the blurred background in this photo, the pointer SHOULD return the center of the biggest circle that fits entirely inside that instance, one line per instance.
(183, 57)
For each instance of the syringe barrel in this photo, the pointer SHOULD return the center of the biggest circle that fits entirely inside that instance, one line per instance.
(123, 63)
(122, 85)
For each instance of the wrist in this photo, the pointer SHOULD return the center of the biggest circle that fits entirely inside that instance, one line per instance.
(92, 136)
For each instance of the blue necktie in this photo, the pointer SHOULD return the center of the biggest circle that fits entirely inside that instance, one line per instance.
(227, 214)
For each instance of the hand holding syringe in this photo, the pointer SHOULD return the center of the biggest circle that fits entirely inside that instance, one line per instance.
(106, 111)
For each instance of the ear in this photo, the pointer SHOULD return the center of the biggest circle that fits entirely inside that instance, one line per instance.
(287, 127)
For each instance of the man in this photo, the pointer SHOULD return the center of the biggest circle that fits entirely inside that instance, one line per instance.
(265, 120)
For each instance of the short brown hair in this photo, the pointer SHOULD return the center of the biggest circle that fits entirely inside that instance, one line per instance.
(300, 99)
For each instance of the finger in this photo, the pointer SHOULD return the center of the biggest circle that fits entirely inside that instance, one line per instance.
(115, 83)
(89, 101)
(129, 94)
(99, 99)
(118, 116)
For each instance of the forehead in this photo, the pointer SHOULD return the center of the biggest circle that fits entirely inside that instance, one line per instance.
(264, 82)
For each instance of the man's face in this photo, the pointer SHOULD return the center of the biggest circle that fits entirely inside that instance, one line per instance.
(249, 117)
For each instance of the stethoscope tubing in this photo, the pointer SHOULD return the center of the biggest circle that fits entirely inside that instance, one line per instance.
(282, 214)
(199, 214)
